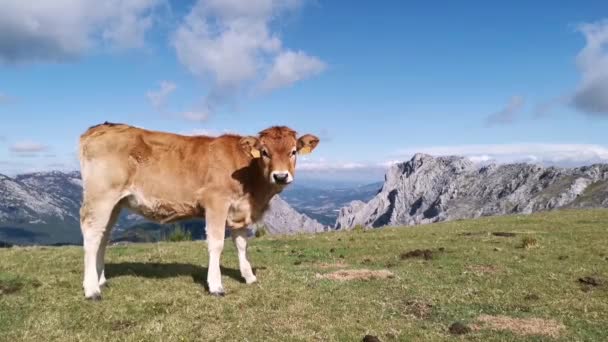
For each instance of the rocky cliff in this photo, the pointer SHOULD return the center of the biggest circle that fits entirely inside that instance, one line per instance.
(430, 189)
(281, 218)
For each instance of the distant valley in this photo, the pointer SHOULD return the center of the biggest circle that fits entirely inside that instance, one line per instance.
(323, 204)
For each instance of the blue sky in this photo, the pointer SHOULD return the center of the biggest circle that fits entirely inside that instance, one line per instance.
(377, 81)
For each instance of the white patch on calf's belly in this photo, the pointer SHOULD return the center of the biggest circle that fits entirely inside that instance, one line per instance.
(161, 210)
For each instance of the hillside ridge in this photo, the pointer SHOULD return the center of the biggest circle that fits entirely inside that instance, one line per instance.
(429, 189)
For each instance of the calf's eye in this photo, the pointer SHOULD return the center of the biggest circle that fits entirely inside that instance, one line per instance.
(265, 154)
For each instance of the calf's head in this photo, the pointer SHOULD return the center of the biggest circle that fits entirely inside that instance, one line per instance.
(275, 151)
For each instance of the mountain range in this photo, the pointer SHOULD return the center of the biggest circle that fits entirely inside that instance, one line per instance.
(43, 208)
(429, 189)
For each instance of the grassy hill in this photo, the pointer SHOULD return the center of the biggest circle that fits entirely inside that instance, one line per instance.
(539, 277)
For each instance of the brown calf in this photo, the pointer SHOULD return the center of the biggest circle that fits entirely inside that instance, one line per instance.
(227, 180)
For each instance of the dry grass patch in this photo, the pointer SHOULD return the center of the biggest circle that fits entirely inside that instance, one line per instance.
(419, 309)
(325, 266)
(483, 269)
(528, 242)
(362, 274)
(521, 326)
(338, 264)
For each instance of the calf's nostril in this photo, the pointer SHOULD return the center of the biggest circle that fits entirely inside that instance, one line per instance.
(280, 177)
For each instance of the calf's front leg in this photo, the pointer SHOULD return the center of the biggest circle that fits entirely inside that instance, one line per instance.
(239, 236)
(215, 223)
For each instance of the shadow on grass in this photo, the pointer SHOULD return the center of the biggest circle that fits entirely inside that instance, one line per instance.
(166, 270)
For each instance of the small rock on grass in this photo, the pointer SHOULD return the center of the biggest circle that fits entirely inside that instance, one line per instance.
(459, 328)
(592, 281)
(425, 254)
(532, 296)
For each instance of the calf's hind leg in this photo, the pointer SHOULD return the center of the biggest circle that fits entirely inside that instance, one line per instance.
(215, 221)
(101, 254)
(96, 217)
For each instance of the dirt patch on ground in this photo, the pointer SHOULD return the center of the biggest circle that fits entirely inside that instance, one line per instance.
(419, 309)
(521, 326)
(390, 264)
(338, 264)
(532, 296)
(121, 325)
(504, 234)
(482, 269)
(425, 254)
(8, 287)
(362, 274)
(588, 283)
(592, 281)
(528, 242)
(473, 233)
(499, 234)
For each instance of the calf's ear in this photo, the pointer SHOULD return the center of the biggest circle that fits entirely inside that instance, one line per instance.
(252, 146)
(307, 143)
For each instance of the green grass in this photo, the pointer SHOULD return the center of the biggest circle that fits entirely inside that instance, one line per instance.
(156, 291)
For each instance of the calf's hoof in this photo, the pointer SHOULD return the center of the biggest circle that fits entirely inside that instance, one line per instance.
(95, 297)
(251, 280)
(216, 291)
(92, 293)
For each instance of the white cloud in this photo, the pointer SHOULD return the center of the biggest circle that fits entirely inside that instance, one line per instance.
(565, 155)
(508, 114)
(230, 44)
(290, 67)
(550, 154)
(13, 167)
(323, 165)
(592, 93)
(342, 171)
(546, 108)
(27, 147)
(60, 30)
(158, 98)
(311, 163)
(195, 116)
(208, 132)
(203, 131)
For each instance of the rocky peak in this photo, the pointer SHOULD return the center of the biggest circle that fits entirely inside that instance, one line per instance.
(430, 189)
(281, 218)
